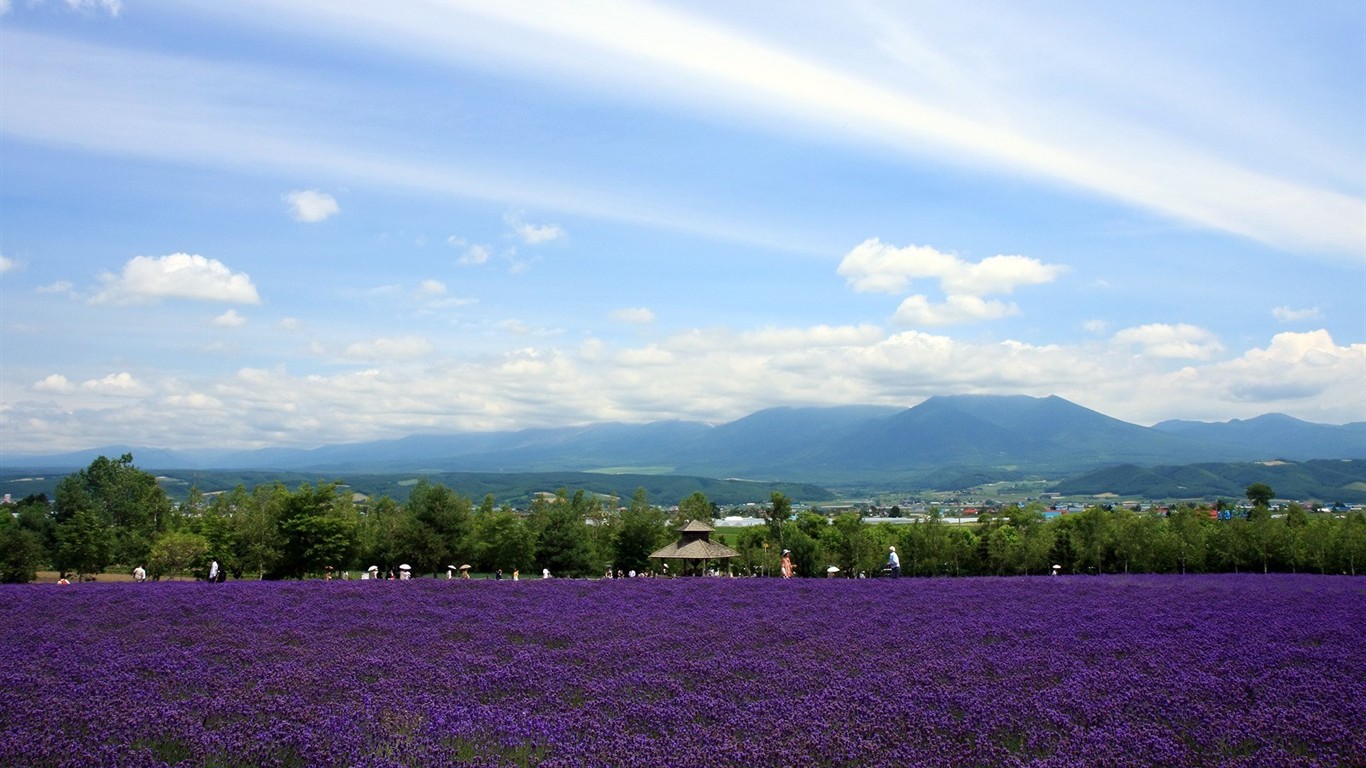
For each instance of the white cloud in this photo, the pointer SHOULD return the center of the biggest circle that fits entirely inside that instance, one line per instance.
(533, 234)
(311, 206)
(474, 255)
(4, 7)
(402, 348)
(290, 324)
(54, 383)
(633, 315)
(874, 266)
(1179, 341)
(194, 401)
(1095, 326)
(121, 383)
(59, 287)
(431, 288)
(1291, 315)
(179, 275)
(7, 264)
(229, 319)
(709, 375)
(920, 311)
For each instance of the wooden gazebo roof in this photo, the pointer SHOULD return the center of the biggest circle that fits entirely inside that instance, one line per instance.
(695, 544)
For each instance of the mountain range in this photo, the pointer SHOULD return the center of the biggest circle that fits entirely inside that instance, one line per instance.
(971, 435)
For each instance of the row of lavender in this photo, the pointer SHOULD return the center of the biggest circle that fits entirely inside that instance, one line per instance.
(1112, 671)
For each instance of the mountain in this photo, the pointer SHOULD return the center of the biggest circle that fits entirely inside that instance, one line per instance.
(952, 436)
(1274, 433)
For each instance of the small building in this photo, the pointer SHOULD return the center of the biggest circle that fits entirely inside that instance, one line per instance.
(694, 548)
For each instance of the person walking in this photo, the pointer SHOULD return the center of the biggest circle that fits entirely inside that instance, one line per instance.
(893, 562)
(213, 571)
(787, 564)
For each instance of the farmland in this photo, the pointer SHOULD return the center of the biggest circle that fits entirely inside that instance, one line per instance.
(1216, 670)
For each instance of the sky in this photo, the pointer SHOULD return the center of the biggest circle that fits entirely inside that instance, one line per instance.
(301, 222)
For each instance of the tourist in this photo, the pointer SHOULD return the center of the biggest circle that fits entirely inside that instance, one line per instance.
(213, 571)
(787, 564)
(893, 562)
(139, 574)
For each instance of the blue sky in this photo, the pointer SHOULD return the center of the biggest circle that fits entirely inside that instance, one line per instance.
(264, 223)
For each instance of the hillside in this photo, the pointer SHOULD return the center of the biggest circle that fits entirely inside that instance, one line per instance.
(1329, 481)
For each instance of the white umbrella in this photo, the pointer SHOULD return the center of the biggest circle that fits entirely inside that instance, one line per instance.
(405, 567)
(373, 569)
(833, 569)
(466, 567)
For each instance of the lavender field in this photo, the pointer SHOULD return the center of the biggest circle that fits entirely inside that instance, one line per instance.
(1069, 671)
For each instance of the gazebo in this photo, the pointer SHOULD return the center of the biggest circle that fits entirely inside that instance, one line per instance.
(695, 546)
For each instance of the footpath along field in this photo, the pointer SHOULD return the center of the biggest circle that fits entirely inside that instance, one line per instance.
(1226, 670)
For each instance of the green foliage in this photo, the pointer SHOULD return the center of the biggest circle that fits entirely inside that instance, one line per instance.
(176, 552)
(562, 536)
(695, 507)
(21, 552)
(124, 499)
(282, 533)
(317, 528)
(1260, 494)
(642, 529)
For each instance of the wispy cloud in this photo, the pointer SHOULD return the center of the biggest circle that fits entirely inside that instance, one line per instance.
(633, 315)
(311, 206)
(1292, 315)
(7, 264)
(649, 48)
(533, 234)
(230, 319)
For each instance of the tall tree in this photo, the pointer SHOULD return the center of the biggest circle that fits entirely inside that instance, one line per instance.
(1260, 494)
(643, 529)
(127, 500)
(316, 530)
(562, 536)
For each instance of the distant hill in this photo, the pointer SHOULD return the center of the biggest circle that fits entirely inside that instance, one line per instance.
(517, 488)
(1327, 480)
(1001, 437)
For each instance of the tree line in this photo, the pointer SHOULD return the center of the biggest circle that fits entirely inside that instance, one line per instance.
(113, 514)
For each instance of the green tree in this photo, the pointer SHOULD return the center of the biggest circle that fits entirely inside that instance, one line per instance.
(439, 528)
(505, 541)
(316, 530)
(1353, 542)
(128, 501)
(695, 507)
(563, 542)
(1187, 526)
(777, 513)
(642, 530)
(176, 552)
(21, 552)
(85, 543)
(806, 551)
(1260, 494)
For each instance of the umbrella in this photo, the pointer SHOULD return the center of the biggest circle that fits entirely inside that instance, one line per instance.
(466, 567)
(833, 569)
(405, 567)
(373, 569)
